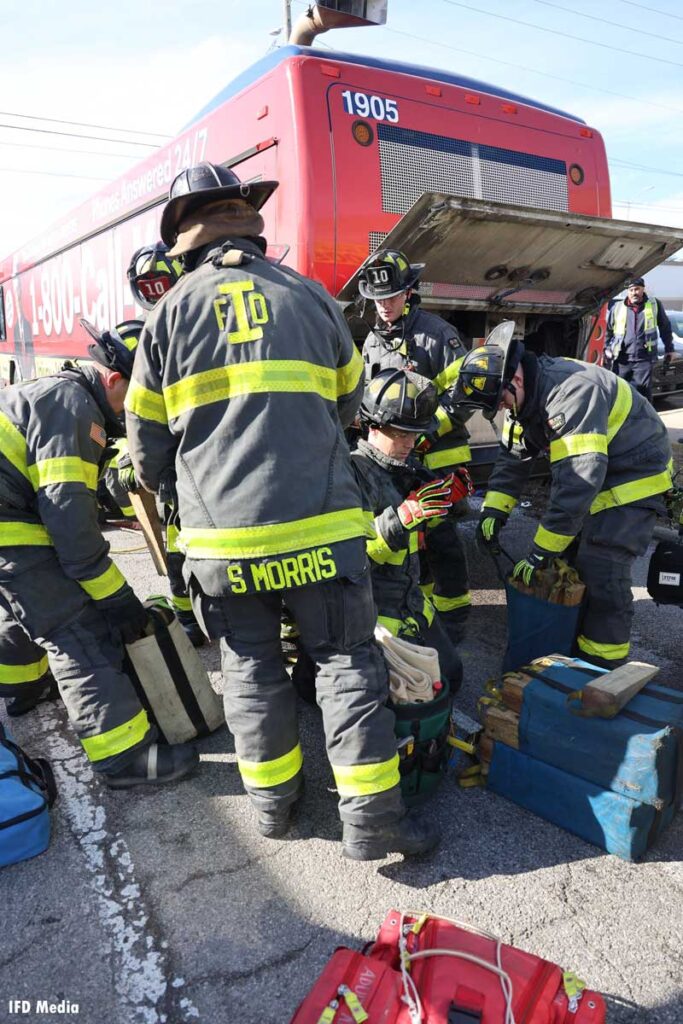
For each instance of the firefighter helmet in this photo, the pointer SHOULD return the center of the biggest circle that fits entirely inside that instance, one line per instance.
(388, 273)
(486, 372)
(152, 273)
(115, 348)
(400, 398)
(205, 183)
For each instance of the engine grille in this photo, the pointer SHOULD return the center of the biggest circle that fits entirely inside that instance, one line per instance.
(414, 162)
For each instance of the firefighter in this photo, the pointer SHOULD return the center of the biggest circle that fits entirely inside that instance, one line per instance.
(245, 378)
(404, 498)
(407, 337)
(631, 337)
(610, 462)
(151, 275)
(56, 578)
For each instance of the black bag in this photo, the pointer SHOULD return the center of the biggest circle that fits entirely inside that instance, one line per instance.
(665, 574)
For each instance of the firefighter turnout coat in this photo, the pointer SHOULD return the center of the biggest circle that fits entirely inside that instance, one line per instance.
(56, 577)
(610, 462)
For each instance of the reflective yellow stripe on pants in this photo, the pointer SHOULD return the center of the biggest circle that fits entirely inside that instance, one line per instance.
(266, 774)
(116, 740)
(609, 652)
(24, 673)
(366, 779)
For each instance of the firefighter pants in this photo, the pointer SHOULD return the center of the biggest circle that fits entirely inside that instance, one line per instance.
(336, 620)
(610, 543)
(638, 374)
(445, 577)
(85, 655)
(24, 666)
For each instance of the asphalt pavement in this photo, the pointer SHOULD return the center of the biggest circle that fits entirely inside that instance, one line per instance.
(167, 907)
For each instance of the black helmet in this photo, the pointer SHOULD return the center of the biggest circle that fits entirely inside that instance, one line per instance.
(400, 398)
(152, 273)
(486, 372)
(388, 273)
(205, 183)
(115, 348)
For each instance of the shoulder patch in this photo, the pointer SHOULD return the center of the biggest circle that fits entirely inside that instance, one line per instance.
(98, 434)
(556, 422)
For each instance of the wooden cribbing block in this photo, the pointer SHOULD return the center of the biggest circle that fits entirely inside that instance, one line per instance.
(146, 514)
(502, 724)
(606, 696)
(512, 690)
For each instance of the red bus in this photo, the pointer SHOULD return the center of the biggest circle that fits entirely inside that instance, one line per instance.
(505, 199)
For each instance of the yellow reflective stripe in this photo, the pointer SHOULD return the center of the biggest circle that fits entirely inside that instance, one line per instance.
(393, 625)
(427, 589)
(24, 673)
(550, 541)
(172, 538)
(413, 542)
(273, 539)
(497, 499)
(19, 534)
(620, 409)
(104, 585)
(610, 652)
(379, 551)
(128, 511)
(511, 426)
(148, 405)
(448, 457)
(369, 521)
(449, 604)
(428, 609)
(224, 382)
(115, 741)
(577, 444)
(366, 779)
(183, 604)
(13, 445)
(65, 470)
(265, 774)
(634, 490)
(349, 375)
(448, 377)
(444, 421)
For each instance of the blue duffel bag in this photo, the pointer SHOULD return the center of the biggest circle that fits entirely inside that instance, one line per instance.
(27, 791)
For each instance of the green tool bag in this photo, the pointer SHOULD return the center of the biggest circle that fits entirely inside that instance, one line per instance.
(422, 730)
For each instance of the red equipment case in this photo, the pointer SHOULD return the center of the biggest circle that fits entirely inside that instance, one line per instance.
(453, 975)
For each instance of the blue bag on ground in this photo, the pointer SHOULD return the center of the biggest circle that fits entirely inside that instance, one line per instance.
(27, 791)
(536, 627)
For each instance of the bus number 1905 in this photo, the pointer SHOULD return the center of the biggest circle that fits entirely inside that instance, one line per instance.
(361, 105)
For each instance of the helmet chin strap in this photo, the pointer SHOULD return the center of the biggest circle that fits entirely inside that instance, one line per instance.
(514, 412)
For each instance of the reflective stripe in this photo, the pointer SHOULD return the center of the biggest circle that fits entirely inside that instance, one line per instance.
(449, 604)
(448, 377)
(380, 552)
(512, 426)
(550, 541)
(116, 740)
(148, 405)
(448, 457)
(65, 470)
(577, 444)
(24, 673)
(265, 774)
(428, 609)
(172, 538)
(369, 520)
(349, 375)
(104, 585)
(393, 625)
(444, 421)
(634, 490)
(13, 445)
(19, 534)
(276, 375)
(427, 589)
(497, 499)
(649, 319)
(366, 779)
(183, 604)
(128, 511)
(610, 652)
(620, 409)
(273, 539)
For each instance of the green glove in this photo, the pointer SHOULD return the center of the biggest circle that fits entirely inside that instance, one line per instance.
(488, 529)
(527, 567)
(126, 472)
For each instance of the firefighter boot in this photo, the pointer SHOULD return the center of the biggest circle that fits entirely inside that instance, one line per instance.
(31, 696)
(409, 835)
(275, 824)
(153, 765)
(192, 628)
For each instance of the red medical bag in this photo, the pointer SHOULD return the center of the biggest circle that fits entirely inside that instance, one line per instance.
(453, 975)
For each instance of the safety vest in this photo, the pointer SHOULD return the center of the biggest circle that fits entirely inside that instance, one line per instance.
(649, 323)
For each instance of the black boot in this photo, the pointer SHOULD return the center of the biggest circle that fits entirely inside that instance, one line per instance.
(192, 628)
(410, 835)
(31, 696)
(275, 824)
(153, 765)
